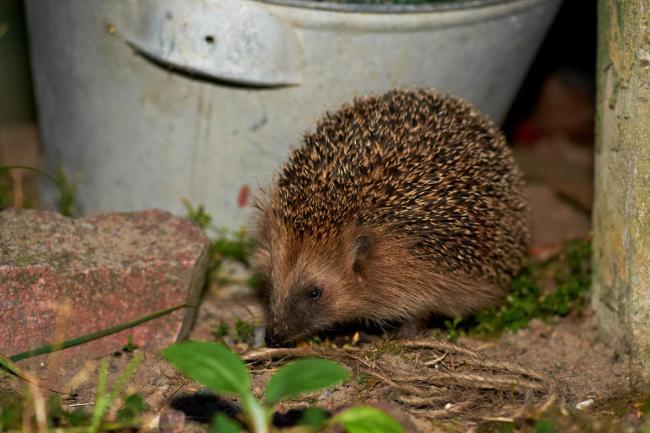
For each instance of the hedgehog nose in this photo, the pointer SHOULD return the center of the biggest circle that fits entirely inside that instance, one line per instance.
(272, 339)
(276, 339)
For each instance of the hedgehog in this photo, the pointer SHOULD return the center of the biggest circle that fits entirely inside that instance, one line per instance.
(396, 208)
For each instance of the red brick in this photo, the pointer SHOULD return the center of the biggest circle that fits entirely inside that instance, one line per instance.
(113, 268)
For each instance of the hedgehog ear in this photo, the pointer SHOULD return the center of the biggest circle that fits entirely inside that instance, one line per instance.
(362, 250)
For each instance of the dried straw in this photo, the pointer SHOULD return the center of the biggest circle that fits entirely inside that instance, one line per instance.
(432, 379)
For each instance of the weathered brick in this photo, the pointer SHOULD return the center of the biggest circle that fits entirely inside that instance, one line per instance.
(113, 268)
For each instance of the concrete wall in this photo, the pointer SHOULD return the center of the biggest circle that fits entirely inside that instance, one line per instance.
(621, 295)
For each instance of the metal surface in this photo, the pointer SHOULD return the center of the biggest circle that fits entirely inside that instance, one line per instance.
(231, 40)
(388, 7)
(143, 133)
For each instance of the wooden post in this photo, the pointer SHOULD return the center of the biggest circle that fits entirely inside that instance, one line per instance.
(621, 215)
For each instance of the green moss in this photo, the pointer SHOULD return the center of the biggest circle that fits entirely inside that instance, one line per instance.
(571, 273)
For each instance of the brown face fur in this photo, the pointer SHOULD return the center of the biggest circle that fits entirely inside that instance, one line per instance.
(312, 282)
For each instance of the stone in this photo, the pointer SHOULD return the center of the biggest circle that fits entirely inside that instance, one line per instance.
(62, 278)
(621, 214)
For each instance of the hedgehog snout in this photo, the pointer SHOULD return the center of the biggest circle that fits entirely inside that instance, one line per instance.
(276, 335)
(274, 339)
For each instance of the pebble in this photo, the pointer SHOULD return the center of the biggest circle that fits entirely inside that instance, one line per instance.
(584, 404)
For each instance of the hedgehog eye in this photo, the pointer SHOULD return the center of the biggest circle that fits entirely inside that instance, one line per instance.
(314, 293)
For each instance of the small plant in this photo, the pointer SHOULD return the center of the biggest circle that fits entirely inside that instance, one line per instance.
(67, 200)
(235, 245)
(52, 414)
(225, 244)
(245, 330)
(104, 400)
(216, 367)
(14, 412)
(221, 330)
(452, 328)
(197, 215)
(130, 346)
(67, 190)
(4, 195)
(361, 379)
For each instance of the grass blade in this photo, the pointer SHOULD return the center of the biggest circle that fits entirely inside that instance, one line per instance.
(7, 364)
(49, 348)
(100, 397)
(104, 400)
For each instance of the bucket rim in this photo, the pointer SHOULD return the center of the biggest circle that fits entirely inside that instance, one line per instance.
(442, 6)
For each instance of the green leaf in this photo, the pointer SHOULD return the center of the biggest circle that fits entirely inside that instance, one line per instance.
(212, 364)
(544, 426)
(365, 419)
(224, 424)
(313, 417)
(258, 418)
(303, 375)
(132, 408)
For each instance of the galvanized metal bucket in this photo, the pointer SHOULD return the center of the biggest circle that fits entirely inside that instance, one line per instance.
(149, 101)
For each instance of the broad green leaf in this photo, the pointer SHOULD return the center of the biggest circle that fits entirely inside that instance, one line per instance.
(211, 364)
(544, 426)
(223, 424)
(365, 419)
(132, 408)
(301, 376)
(313, 417)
